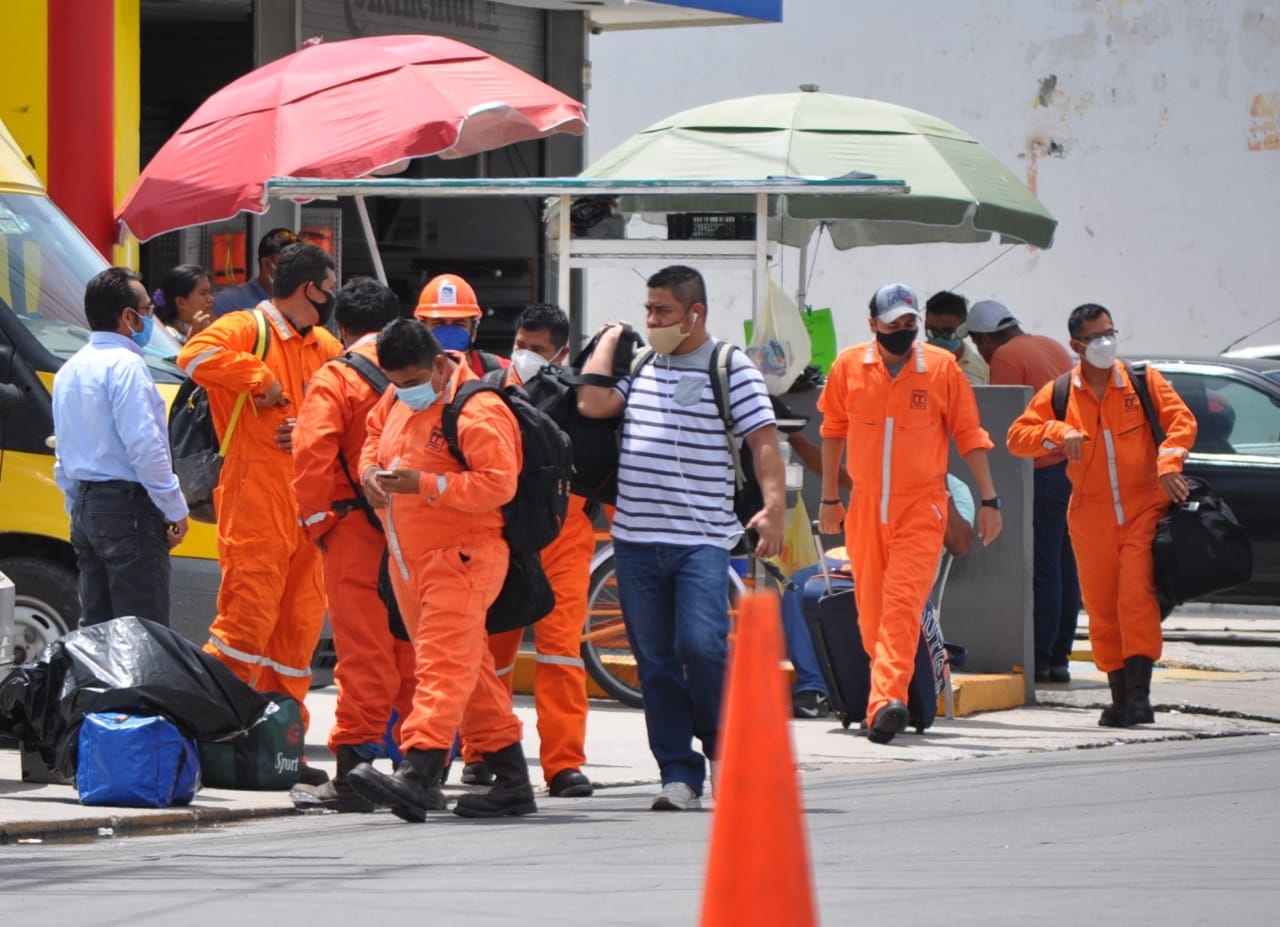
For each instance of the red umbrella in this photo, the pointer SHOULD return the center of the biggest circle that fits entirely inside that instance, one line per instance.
(340, 111)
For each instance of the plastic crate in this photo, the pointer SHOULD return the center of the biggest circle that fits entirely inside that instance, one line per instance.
(686, 226)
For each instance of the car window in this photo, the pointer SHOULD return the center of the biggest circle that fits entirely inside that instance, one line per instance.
(1233, 417)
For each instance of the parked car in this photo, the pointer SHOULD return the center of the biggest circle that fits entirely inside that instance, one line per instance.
(1260, 351)
(1236, 402)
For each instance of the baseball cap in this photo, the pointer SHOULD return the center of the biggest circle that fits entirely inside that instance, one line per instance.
(987, 316)
(893, 301)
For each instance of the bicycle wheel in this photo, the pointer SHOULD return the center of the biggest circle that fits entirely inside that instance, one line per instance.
(606, 652)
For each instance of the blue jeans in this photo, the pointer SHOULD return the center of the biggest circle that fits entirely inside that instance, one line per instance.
(799, 643)
(1055, 583)
(675, 603)
(122, 551)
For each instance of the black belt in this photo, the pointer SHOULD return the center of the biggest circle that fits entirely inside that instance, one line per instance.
(119, 485)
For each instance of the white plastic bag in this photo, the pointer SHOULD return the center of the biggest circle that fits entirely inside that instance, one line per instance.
(780, 345)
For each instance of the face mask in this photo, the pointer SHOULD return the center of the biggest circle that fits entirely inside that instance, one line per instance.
(1101, 352)
(418, 397)
(527, 364)
(897, 343)
(947, 344)
(143, 338)
(666, 338)
(325, 307)
(452, 337)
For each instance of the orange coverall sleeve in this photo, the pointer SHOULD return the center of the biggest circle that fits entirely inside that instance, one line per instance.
(962, 414)
(1036, 431)
(322, 422)
(489, 439)
(1177, 421)
(222, 356)
(835, 419)
(373, 426)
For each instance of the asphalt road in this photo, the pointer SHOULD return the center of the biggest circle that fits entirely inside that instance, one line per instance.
(1164, 833)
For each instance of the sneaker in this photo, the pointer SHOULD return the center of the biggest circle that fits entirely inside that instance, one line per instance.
(810, 704)
(676, 796)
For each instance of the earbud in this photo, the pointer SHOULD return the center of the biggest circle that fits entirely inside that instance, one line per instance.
(695, 319)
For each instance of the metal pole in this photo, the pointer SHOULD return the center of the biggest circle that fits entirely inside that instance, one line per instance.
(563, 293)
(800, 287)
(760, 283)
(372, 242)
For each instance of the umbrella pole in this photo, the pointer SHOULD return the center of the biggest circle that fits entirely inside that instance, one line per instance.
(372, 242)
(801, 295)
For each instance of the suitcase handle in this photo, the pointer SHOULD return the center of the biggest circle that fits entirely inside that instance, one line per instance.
(822, 555)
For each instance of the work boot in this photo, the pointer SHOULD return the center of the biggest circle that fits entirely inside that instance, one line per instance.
(512, 792)
(476, 773)
(570, 783)
(336, 794)
(411, 791)
(1117, 713)
(1137, 671)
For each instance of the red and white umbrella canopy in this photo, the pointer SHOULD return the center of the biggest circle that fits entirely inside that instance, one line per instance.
(340, 111)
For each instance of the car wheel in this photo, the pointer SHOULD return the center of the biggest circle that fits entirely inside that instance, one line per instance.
(46, 604)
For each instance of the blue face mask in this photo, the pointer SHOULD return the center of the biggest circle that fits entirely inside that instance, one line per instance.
(452, 337)
(418, 397)
(143, 338)
(947, 344)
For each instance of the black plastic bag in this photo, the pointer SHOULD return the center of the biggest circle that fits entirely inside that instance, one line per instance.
(128, 665)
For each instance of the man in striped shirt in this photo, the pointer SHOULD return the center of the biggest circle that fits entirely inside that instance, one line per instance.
(675, 523)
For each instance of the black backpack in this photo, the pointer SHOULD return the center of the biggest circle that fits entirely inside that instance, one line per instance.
(533, 518)
(748, 497)
(1200, 547)
(197, 453)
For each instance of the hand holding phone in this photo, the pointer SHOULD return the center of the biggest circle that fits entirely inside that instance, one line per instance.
(384, 474)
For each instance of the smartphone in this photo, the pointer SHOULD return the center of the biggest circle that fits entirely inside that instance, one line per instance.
(384, 473)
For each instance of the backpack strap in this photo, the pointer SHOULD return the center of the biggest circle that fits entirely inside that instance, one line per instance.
(636, 363)
(496, 376)
(449, 419)
(261, 342)
(489, 362)
(1061, 390)
(370, 372)
(718, 371)
(1139, 381)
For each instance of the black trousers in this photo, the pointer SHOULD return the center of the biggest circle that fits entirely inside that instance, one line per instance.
(122, 550)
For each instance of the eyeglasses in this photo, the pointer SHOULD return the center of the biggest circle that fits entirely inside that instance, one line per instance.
(947, 334)
(1087, 339)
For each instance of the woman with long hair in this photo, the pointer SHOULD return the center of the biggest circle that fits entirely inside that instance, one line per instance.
(184, 301)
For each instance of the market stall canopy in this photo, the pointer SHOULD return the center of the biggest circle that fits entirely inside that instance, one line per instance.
(340, 110)
(960, 192)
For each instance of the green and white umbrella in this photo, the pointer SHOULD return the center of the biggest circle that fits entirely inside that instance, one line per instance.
(960, 192)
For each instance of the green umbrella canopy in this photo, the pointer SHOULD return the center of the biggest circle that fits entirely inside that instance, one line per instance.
(959, 191)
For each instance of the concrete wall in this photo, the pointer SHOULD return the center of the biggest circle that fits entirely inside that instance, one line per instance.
(1150, 129)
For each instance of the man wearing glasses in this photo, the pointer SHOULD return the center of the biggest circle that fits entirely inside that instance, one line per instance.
(1121, 487)
(945, 318)
(112, 459)
(1021, 359)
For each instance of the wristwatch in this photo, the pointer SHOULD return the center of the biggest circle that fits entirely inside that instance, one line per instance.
(992, 503)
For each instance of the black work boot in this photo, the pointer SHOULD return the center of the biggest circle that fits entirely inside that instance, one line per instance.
(512, 793)
(337, 793)
(1117, 713)
(1137, 671)
(411, 791)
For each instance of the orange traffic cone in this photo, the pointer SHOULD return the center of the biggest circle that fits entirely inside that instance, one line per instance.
(758, 863)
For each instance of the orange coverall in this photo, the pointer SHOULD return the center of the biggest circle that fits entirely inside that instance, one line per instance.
(896, 434)
(449, 560)
(1116, 500)
(560, 677)
(271, 600)
(375, 670)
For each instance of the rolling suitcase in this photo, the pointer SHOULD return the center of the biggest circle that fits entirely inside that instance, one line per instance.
(832, 617)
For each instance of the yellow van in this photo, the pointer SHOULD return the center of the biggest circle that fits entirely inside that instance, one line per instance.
(45, 264)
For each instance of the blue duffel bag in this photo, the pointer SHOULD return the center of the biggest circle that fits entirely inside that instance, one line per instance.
(135, 761)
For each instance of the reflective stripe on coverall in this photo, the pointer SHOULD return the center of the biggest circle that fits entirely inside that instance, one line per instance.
(449, 560)
(374, 674)
(896, 434)
(1116, 500)
(271, 599)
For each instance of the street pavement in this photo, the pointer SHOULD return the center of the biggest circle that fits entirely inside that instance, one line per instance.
(1205, 687)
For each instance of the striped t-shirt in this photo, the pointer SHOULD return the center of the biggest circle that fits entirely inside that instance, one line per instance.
(675, 473)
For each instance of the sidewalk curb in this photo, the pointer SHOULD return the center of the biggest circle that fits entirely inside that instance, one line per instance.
(139, 823)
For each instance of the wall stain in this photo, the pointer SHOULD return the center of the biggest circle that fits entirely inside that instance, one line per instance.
(1047, 87)
(1264, 132)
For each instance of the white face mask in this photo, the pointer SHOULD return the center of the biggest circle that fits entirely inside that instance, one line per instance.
(1101, 352)
(527, 364)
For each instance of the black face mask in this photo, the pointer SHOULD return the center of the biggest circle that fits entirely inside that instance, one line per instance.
(897, 343)
(324, 308)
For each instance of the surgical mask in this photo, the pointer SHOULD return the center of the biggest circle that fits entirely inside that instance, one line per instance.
(418, 397)
(143, 338)
(947, 344)
(527, 364)
(453, 337)
(666, 338)
(1101, 352)
(897, 343)
(325, 307)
